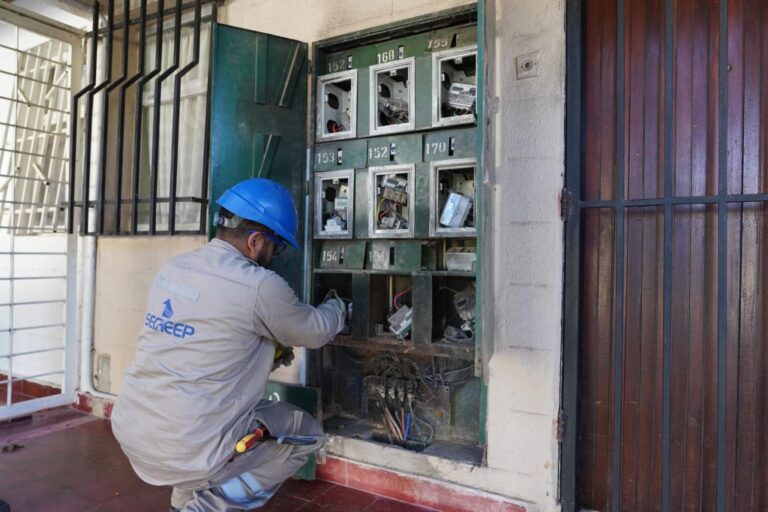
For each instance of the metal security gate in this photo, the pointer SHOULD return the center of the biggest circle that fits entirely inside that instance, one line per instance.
(38, 64)
(666, 327)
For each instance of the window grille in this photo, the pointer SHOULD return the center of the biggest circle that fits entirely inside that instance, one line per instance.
(143, 117)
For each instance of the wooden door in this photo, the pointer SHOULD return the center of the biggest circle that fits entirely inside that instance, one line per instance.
(666, 338)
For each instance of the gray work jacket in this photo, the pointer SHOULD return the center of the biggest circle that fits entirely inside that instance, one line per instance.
(203, 360)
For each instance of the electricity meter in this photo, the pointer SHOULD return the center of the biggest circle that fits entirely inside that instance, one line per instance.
(452, 198)
(334, 207)
(392, 97)
(391, 208)
(454, 86)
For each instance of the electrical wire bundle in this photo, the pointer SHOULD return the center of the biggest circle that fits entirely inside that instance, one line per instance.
(401, 377)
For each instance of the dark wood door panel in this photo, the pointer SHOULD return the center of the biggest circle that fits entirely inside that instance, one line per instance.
(665, 121)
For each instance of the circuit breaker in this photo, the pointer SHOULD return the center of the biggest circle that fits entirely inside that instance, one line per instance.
(395, 233)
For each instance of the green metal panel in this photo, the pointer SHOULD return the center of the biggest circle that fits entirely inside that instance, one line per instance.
(480, 220)
(363, 102)
(362, 203)
(445, 144)
(418, 45)
(344, 254)
(422, 197)
(361, 303)
(422, 308)
(423, 83)
(308, 399)
(395, 149)
(343, 154)
(258, 120)
(399, 255)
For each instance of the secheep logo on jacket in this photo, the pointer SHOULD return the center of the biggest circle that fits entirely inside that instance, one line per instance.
(164, 324)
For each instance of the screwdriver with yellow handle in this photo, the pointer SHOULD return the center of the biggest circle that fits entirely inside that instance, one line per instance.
(261, 433)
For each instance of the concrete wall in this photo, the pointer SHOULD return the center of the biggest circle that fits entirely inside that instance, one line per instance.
(125, 268)
(525, 238)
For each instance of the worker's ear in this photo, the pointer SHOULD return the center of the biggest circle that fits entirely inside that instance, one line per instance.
(253, 241)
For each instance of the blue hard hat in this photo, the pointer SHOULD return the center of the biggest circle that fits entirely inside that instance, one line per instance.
(266, 202)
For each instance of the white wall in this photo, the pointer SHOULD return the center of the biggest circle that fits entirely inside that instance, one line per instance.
(525, 246)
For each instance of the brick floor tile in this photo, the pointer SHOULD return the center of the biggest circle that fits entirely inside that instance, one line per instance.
(105, 489)
(345, 498)
(31, 495)
(305, 489)
(283, 503)
(385, 505)
(66, 501)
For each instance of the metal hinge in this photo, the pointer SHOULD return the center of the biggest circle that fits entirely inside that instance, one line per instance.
(566, 204)
(562, 424)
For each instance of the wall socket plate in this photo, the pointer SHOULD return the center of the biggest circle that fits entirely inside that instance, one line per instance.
(527, 65)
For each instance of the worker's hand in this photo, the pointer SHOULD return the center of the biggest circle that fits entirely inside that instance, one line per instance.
(283, 357)
(333, 300)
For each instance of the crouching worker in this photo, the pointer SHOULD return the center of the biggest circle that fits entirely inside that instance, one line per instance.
(205, 352)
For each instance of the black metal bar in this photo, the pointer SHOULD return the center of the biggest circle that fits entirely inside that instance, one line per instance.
(104, 116)
(667, 271)
(121, 108)
(88, 130)
(207, 143)
(175, 123)
(153, 169)
(618, 270)
(102, 85)
(722, 256)
(139, 107)
(152, 16)
(680, 200)
(111, 87)
(569, 490)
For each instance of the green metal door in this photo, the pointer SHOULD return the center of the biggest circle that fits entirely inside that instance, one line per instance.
(258, 130)
(259, 121)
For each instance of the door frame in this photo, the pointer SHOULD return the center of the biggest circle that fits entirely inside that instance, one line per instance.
(33, 22)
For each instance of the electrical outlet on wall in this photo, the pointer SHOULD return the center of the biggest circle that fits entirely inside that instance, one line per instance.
(528, 65)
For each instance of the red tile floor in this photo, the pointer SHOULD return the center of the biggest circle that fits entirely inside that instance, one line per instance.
(66, 461)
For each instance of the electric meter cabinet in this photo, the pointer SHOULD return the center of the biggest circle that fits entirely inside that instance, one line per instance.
(396, 233)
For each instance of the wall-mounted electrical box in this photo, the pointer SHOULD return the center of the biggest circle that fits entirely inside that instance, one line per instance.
(395, 217)
(404, 370)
